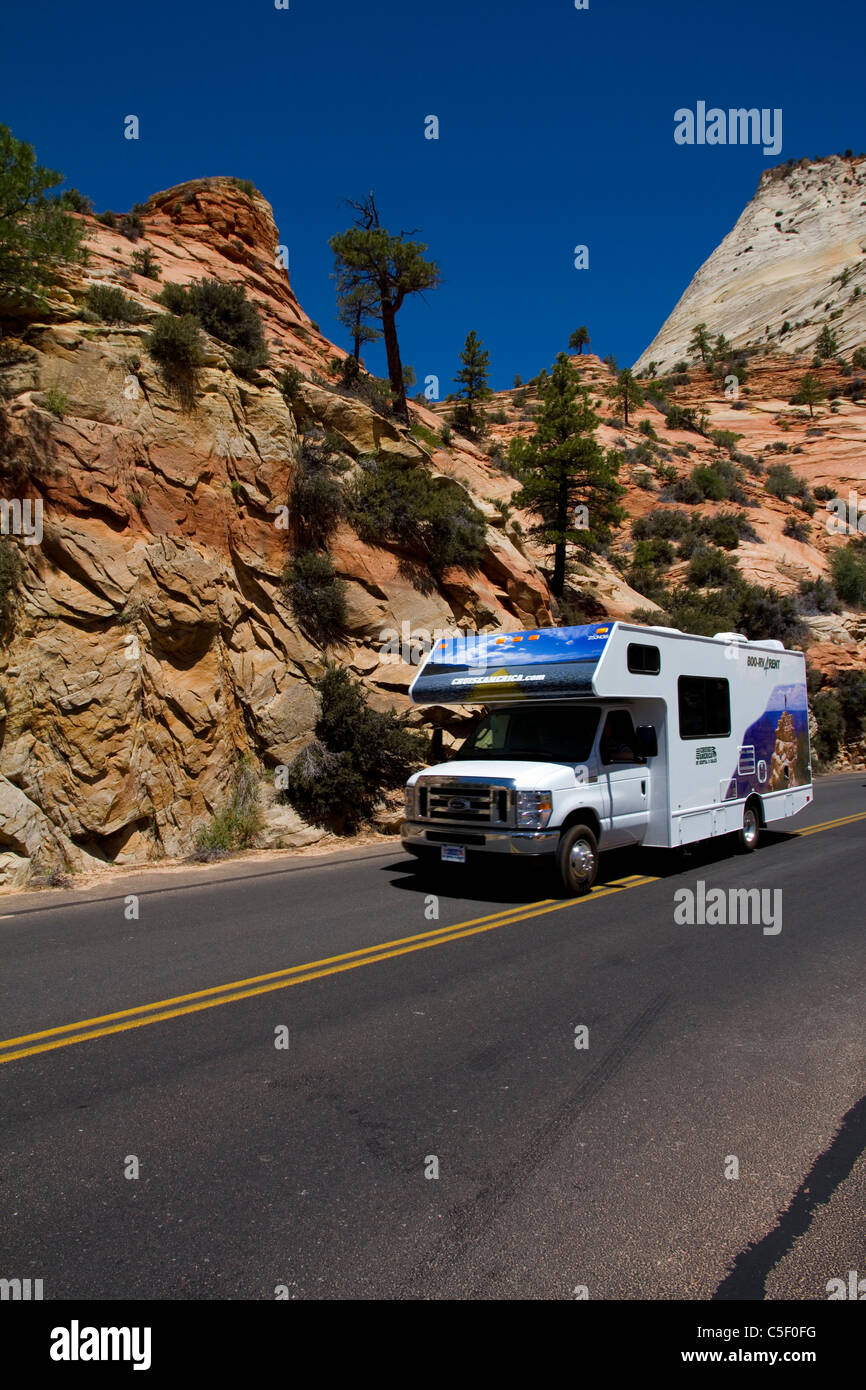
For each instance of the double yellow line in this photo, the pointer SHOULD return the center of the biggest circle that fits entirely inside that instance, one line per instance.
(69, 1033)
(831, 824)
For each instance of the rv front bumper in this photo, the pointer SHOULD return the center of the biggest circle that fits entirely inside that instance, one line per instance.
(420, 835)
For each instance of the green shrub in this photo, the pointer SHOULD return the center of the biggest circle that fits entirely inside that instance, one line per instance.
(395, 500)
(73, 200)
(712, 484)
(668, 524)
(289, 383)
(687, 490)
(357, 755)
(316, 500)
(783, 482)
(848, 570)
(317, 596)
(823, 493)
(680, 417)
(767, 613)
(376, 392)
(107, 218)
(113, 306)
(10, 579)
(426, 436)
(176, 344)
(690, 543)
(646, 427)
(858, 357)
(354, 381)
(703, 614)
(851, 687)
(797, 530)
(131, 226)
(710, 568)
(727, 529)
(653, 554)
(831, 725)
(144, 263)
(725, 439)
(647, 581)
(749, 462)
(239, 822)
(735, 606)
(225, 312)
(56, 401)
(817, 596)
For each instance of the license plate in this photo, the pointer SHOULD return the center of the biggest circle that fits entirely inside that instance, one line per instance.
(455, 854)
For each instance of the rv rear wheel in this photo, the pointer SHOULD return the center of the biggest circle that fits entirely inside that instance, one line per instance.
(747, 838)
(577, 859)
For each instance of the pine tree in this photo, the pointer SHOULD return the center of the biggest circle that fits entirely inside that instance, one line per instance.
(37, 232)
(700, 341)
(563, 465)
(626, 391)
(472, 381)
(354, 307)
(827, 344)
(810, 392)
(579, 339)
(391, 266)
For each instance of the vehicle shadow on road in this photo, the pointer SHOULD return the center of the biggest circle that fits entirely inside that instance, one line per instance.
(500, 879)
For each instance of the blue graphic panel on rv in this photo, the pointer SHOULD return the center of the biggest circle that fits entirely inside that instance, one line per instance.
(554, 662)
(774, 754)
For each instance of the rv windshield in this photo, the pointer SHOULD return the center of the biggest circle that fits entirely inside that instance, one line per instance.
(551, 735)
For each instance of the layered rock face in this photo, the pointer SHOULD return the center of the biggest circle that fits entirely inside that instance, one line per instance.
(784, 263)
(151, 640)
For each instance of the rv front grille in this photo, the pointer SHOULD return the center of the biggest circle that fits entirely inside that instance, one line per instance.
(463, 802)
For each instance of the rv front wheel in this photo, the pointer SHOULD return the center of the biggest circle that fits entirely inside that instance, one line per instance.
(748, 837)
(577, 859)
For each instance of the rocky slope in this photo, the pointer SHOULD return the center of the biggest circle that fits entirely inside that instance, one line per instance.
(795, 260)
(152, 641)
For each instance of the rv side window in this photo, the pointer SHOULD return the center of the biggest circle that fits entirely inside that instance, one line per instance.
(642, 659)
(705, 707)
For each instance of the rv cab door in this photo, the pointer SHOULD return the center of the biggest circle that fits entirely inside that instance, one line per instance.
(625, 776)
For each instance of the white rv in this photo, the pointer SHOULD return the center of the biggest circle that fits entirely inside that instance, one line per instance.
(607, 735)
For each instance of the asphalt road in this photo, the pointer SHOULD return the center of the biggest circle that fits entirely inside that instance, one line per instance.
(559, 1167)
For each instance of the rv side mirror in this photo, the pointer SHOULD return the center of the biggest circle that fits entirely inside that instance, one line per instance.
(647, 742)
(437, 746)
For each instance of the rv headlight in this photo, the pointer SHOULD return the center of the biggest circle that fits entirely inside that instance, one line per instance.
(534, 809)
(409, 802)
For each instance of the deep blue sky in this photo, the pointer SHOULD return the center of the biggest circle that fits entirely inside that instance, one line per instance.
(556, 128)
